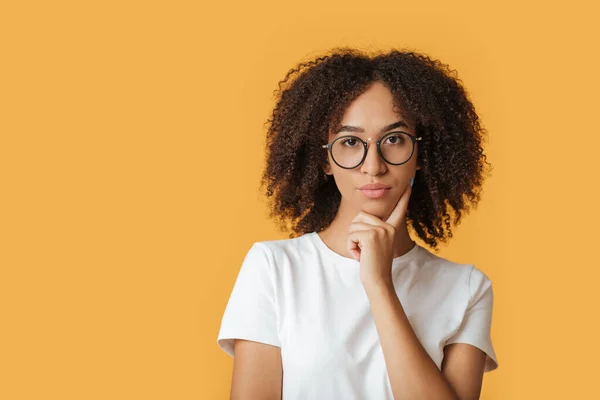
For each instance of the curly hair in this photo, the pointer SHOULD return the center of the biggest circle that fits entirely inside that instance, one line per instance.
(313, 97)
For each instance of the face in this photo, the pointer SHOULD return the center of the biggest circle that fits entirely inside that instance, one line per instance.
(372, 111)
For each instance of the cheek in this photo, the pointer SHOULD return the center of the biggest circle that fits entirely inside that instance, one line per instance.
(348, 188)
(344, 182)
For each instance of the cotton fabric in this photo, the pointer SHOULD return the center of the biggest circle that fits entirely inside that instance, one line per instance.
(301, 296)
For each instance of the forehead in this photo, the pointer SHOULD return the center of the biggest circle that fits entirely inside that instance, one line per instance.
(374, 109)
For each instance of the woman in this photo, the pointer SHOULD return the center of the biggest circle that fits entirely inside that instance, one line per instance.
(359, 148)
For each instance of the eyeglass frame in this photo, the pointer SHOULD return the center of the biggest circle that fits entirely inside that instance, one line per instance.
(414, 139)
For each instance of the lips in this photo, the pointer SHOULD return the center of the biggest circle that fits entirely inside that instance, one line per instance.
(374, 190)
(374, 193)
(374, 186)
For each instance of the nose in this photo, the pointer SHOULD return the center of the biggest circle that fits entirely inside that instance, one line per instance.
(373, 163)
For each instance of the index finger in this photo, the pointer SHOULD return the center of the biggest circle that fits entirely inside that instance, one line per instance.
(399, 211)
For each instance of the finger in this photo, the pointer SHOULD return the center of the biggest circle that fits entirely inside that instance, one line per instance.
(360, 226)
(356, 240)
(399, 212)
(368, 218)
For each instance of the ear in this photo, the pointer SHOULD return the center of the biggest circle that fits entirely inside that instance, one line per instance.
(327, 168)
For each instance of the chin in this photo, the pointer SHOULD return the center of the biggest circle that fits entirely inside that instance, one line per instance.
(377, 208)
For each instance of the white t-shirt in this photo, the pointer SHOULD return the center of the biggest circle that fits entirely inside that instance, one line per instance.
(301, 296)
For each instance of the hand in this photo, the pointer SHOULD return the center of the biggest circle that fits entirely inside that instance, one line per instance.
(371, 241)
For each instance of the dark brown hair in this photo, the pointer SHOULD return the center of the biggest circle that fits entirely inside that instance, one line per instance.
(313, 97)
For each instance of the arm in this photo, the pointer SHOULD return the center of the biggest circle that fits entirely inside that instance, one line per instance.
(257, 371)
(412, 373)
(249, 330)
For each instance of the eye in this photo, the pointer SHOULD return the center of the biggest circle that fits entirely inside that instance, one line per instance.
(350, 142)
(396, 139)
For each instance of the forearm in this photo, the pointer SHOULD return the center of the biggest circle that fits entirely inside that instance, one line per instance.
(412, 373)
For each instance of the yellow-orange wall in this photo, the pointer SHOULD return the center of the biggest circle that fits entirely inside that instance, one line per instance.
(131, 146)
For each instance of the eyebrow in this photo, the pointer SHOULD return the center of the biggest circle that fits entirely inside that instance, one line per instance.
(349, 128)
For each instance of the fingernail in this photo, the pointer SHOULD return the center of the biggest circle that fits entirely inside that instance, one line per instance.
(412, 180)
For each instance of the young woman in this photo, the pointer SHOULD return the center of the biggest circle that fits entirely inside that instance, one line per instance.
(359, 148)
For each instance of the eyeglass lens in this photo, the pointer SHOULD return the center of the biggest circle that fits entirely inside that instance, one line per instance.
(396, 147)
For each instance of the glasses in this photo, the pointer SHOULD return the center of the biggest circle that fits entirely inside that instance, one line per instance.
(395, 148)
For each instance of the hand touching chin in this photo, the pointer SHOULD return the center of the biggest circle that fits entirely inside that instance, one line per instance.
(379, 208)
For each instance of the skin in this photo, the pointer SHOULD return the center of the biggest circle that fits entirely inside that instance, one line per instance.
(373, 231)
(372, 110)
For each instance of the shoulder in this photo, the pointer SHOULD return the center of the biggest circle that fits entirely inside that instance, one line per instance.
(463, 276)
(282, 251)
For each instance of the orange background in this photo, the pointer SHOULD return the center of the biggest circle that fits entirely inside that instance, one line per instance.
(131, 150)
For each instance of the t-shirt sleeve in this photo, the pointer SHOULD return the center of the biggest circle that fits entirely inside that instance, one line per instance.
(251, 311)
(476, 325)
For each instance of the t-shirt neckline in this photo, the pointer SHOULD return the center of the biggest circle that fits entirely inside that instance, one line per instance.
(396, 262)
